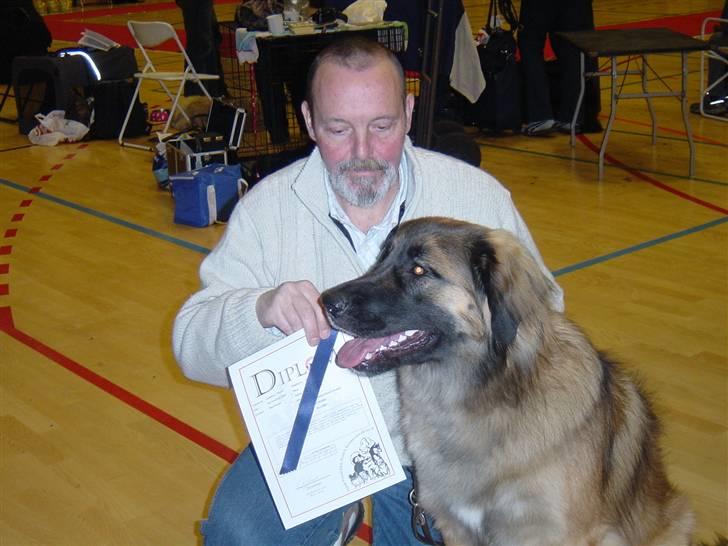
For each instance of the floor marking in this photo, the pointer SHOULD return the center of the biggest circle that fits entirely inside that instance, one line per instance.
(191, 433)
(661, 185)
(484, 142)
(641, 246)
(113, 219)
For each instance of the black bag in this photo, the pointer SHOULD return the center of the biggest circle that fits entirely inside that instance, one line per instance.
(118, 63)
(110, 102)
(499, 106)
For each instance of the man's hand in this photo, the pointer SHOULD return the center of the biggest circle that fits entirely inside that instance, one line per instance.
(292, 306)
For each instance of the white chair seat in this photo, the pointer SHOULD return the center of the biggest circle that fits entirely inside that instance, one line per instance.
(173, 76)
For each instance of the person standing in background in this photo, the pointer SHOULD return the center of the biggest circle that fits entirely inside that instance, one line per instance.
(203, 41)
(539, 18)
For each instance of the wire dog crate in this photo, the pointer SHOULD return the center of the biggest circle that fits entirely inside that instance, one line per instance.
(272, 89)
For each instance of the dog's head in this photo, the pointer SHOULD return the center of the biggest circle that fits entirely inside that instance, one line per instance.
(440, 290)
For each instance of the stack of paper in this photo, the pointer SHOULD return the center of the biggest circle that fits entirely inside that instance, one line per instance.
(94, 40)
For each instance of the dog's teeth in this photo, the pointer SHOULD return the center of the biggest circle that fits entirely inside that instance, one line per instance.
(367, 356)
(393, 343)
(409, 333)
(402, 337)
(381, 348)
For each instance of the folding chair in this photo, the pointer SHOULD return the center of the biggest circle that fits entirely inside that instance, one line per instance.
(152, 34)
(718, 53)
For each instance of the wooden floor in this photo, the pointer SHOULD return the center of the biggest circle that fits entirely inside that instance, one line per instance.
(104, 442)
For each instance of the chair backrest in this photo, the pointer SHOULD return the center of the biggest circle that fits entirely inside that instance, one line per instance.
(153, 33)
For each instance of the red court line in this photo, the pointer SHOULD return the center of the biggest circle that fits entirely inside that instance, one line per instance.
(4, 269)
(687, 24)
(159, 415)
(5, 250)
(646, 178)
(11, 232)
(26, 202)
(4, 289)
(17, 217)
(666, 129)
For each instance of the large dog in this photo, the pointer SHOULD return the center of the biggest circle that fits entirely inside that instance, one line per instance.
(521, 433)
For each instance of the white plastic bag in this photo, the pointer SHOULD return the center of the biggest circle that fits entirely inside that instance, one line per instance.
(53, 128)
(364, 12)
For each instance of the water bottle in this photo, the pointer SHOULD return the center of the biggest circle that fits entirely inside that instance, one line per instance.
(160, 169)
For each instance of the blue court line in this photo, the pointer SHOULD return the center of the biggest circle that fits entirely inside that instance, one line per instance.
(629, 250)
(109, 218)
(203, 250)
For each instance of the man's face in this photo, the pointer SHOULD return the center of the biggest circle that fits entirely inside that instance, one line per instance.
(359, 122)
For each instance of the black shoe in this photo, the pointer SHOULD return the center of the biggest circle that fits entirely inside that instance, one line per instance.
(717, 108)
(539, 128)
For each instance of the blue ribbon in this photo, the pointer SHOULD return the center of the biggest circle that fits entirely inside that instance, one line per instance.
(308, 402)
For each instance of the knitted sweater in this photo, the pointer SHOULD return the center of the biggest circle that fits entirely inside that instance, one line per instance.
(281, 231)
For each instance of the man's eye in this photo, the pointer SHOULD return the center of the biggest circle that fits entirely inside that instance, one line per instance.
(418, 270)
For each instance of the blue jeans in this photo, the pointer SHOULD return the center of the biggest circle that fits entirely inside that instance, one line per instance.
(243, 514)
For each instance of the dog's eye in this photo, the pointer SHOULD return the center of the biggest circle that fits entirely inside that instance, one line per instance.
(418, 270)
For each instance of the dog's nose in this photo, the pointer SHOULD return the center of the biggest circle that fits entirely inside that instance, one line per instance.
(335, 306)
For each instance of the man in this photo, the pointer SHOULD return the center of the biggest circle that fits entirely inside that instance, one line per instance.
(310, 226)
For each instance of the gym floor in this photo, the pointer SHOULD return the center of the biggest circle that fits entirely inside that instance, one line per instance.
(103, 441)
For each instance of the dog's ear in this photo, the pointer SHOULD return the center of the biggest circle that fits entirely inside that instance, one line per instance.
(518, 293)
(503, 324)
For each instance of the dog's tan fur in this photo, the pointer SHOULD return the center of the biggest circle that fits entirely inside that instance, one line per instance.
(522, 434)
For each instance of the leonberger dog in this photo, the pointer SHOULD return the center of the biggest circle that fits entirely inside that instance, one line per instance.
(520, 431)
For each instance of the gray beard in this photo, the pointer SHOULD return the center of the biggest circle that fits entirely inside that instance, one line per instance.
(363, 191)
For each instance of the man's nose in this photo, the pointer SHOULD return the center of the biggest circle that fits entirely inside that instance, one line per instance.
(362, 145)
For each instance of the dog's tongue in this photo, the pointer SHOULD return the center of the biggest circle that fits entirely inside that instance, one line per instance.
(352, 353)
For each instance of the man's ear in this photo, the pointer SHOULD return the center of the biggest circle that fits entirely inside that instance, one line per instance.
(308, 118)
(409, 105)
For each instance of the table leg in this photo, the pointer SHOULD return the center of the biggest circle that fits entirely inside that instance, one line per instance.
(684, 108)
(582, 88)
(612, 114)
(643, 72)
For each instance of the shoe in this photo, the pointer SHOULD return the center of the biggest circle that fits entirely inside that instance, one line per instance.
(350, 523)
(539, 128)
(565, 127)
(715, 108)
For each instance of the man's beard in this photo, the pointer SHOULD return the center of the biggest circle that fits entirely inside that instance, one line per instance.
(363, 191)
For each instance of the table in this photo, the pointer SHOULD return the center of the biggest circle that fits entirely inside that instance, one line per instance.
(637, 42)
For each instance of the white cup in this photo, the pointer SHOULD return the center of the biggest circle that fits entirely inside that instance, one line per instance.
(275, 24)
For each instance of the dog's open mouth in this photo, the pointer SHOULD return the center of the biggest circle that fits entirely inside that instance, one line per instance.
(364, 352)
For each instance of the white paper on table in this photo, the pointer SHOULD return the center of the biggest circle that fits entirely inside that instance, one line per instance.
(347, 454)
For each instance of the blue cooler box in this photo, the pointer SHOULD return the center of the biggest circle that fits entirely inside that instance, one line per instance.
(207, 195)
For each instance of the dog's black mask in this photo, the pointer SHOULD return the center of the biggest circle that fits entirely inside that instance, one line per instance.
(401, 310)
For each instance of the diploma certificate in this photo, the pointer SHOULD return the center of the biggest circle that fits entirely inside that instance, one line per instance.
(347, 453)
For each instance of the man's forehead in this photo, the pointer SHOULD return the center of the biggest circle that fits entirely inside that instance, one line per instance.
(379, 68)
